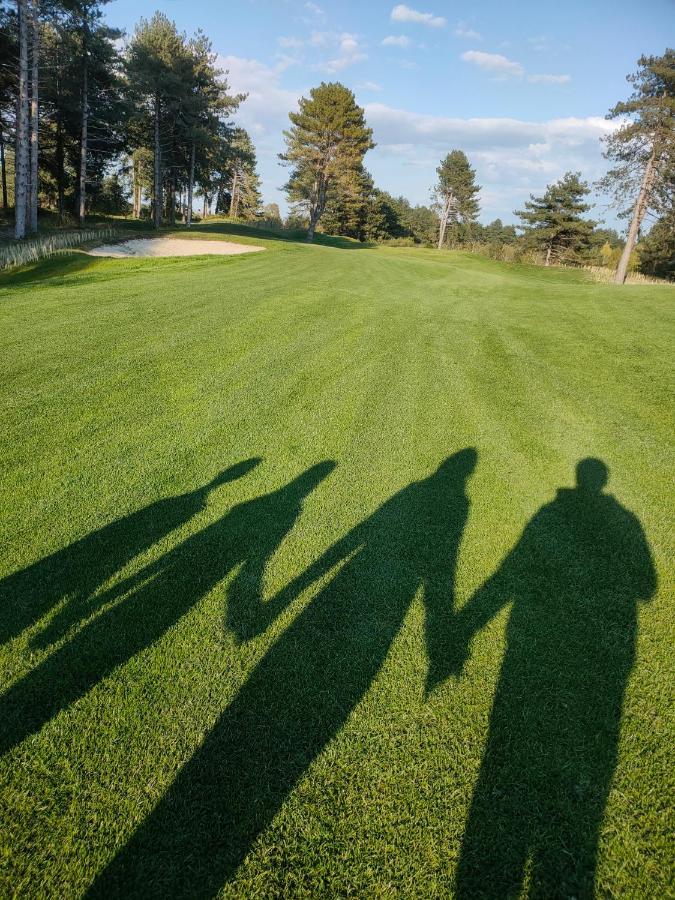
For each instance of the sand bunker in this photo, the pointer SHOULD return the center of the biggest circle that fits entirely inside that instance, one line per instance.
(172, 247)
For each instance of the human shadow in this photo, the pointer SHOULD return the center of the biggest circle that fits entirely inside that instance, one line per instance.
(302, 692)
(152, 601)
(76, 571)
(574, 580)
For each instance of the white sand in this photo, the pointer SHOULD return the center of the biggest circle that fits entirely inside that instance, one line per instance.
(172, 247)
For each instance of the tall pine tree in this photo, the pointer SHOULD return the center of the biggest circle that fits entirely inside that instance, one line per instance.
(456, 192)
(643, 148)
(325, 146)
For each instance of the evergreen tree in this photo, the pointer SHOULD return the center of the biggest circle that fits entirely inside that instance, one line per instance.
(553, 223)
(455, 193)
(643, 148)
(656, 252)
(325, 147)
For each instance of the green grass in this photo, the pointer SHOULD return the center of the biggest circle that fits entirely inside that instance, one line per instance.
(298, 595)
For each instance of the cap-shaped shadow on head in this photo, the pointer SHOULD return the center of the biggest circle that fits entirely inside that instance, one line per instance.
(592, 475)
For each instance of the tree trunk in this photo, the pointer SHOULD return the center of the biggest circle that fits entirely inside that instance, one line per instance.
(206, 206)
(191, 185)
(548, 256)
(21, 157)
(172, 200)
(234, 198)
(136, 187)
(317, 209)
(60, 156)
(158, 168)
(82, 193)
(3, 169)
(638, 215)
(34, 116)
(443, 224)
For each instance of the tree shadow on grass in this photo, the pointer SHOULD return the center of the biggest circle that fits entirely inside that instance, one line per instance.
(289, 237)
(302, 692)
(575, 580)
(152, 601)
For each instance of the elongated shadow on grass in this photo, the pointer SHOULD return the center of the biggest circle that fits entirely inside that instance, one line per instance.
(152, 601)
(574, 580)
(302, 692)
(74, 573)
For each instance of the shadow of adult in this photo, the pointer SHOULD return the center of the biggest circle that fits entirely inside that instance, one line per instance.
(77, 571)
(152, 601)
(302, 692)
(575, 579)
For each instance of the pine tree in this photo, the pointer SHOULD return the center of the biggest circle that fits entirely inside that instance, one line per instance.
(656, 252)
(156, 54)
(553, 223)
(325, 146)
(643, 148)
(455, 193)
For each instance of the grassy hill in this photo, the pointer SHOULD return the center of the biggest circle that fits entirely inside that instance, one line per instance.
(298, 594)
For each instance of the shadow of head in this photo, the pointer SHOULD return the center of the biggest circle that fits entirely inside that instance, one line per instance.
(458, 467)
(311, 478)
(232, 473)
(592, 475)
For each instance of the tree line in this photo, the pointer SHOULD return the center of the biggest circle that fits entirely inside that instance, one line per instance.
(93, 121)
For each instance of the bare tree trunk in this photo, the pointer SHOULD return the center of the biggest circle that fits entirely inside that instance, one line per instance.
(317, 209)
(158, 169)
(34, 116)
(548, 256)
(636, 221)
(60, 156)
(82, 193)
(3, 169)
(21, 158)
(191, 185)
(136, 187)
(234, 199)
(445, 213)
(207, 203)
(172, 201)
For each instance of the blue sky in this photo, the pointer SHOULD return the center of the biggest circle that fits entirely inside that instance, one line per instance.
(521, 87)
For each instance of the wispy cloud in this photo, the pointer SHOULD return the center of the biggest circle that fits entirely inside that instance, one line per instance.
(313, 8)
(463, 31)
(290, 43)
(549, 79)
(396, 41)
(350, 52)
(500, 66)
(403, 13)
(369, 86)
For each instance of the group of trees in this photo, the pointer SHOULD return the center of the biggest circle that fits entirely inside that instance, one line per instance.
(94, 122)
(329, 138)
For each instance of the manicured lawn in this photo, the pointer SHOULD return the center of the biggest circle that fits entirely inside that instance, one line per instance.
(259, 513)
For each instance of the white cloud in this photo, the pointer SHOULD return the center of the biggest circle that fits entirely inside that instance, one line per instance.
(513, 158)
(396, 41)
(368, 86)
(265, 111)
(313, 8)
(463, 31)
(350, 52)
(549, 79)
(290, 42)
(540, 43)
(403, 13)
(499, 65)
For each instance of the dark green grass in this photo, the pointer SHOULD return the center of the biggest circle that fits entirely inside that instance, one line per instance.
(300, 594)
